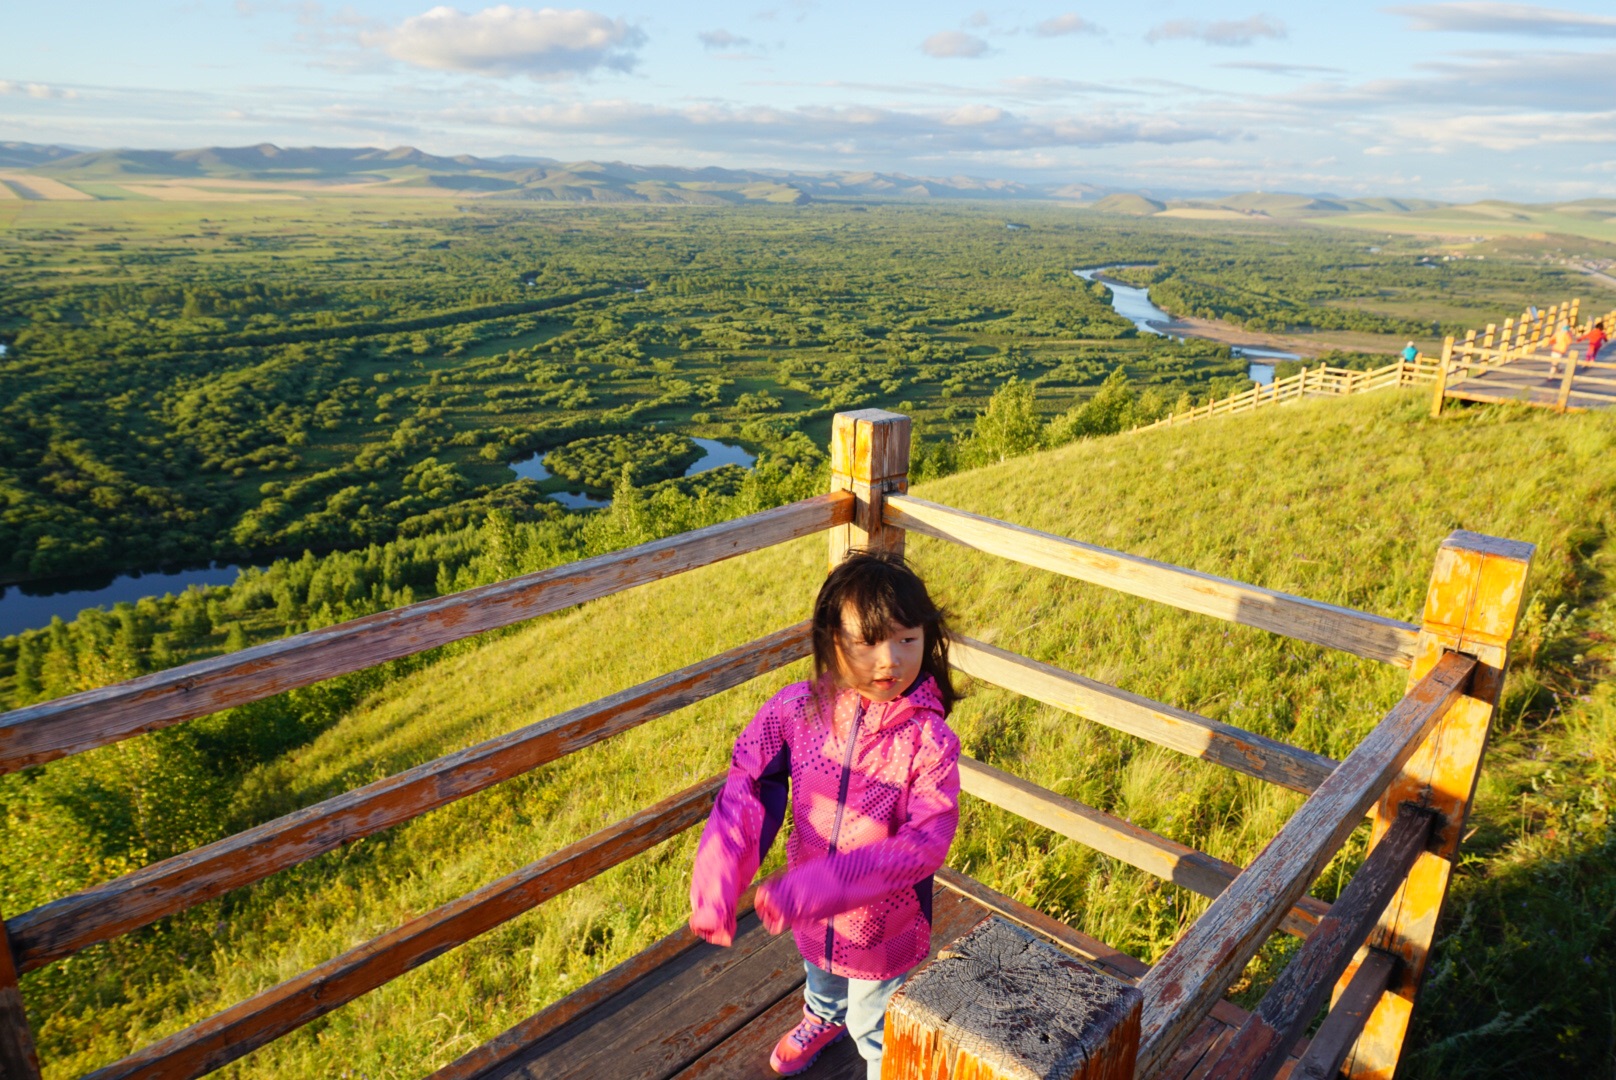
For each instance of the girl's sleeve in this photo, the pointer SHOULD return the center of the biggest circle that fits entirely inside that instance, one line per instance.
(744, 821)
(847, 880)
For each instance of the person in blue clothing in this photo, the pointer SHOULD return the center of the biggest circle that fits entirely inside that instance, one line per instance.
(1410, 353)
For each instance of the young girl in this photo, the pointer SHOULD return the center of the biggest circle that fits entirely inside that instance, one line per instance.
(873, 776)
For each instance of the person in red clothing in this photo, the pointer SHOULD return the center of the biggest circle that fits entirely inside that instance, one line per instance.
(1596, 339)
(864, 753)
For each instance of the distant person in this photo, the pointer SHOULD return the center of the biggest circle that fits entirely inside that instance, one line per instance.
(865, 753)
(1596, 339)
(1410, 353)
(1560, 347)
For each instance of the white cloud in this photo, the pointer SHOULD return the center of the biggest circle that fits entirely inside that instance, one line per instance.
(1061, 25)
(1270, 68)
(544, 43)
(723, 40)
(1526, 20)
(954, 44)
(40, 91)
(1233, 33)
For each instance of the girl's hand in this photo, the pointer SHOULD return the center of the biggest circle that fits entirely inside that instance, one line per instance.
(770, 908)
(707, 926)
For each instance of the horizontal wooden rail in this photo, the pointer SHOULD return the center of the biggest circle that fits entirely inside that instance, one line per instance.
(264, 1017)
(1120, 839)
(1261, 1045)
(1333, 1041)
(83, 721)
(1210, 954)
(65, 926)
(1342, 628)
(1177, 729)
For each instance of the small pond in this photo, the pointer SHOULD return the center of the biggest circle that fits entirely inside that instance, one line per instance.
(715, 455)
(29, 607)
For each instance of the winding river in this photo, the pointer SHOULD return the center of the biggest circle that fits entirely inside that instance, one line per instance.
(1133, 304)
(31, 606)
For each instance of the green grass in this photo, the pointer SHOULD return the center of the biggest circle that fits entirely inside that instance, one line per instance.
(1344, 501)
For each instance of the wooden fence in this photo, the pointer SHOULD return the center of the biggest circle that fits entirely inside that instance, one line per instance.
(1516, 363)
(1322, 381)
(1416, 771)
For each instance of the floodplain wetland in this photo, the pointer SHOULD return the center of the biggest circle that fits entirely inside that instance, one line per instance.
(337, 389)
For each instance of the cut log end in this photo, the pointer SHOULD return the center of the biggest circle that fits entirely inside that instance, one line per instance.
(1000, 1004)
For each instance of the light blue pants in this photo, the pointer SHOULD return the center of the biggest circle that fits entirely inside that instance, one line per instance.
(861, 1004)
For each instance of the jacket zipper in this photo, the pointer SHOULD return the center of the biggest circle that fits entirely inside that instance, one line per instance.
(836, 824)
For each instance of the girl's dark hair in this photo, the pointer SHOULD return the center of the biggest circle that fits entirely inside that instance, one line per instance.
(883, 590)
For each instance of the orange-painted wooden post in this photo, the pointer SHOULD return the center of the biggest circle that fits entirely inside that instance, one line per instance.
(1471, 607)
(1488, 338)
(18, 1061)
(1439, 389)
(1468, 352)
(1000, 1003)
(869, 456)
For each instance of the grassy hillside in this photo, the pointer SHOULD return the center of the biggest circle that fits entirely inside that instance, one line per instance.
(1342, 501)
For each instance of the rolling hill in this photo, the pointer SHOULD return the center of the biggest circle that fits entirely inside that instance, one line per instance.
(1344, 501)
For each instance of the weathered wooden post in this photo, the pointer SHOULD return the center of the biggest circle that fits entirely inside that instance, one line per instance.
(1439, 389)
(1466, 353)
(1471, 607)
(1506, 339)
(1487, 339)
(18, 1061)
(999, 1004)
(1563, 399)
(869, 456)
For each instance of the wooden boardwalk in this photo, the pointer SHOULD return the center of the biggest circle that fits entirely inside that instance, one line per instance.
(1532, 380)
(685, 1009)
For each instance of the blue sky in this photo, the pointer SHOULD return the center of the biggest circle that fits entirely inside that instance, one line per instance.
(1456, 100)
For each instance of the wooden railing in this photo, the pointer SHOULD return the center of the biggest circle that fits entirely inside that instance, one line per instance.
(1424, 753)
(1322, 381)
(1469, 359)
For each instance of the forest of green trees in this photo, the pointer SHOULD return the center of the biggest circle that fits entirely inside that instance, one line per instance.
(180, 389)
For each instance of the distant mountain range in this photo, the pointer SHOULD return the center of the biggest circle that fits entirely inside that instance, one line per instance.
(239, 172)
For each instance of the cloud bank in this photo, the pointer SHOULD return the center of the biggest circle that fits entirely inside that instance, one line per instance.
(1231, 33)
(542, 43)
(1482, 17)
(954, 45)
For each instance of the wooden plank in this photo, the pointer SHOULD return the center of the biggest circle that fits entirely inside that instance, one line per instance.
(1001, 1004)
(517, 1038)
(1303, 988)
(1471, 606)
(137, 899)
(266, 1016)
(1177, 729)
(1342, 628)
(869, 457)
(1192, 1057)
(83, 721)
(1340, 1029)
(655, 1030)
(1199, 967)
(745, 1054)
(1154, 854)
(18, 1058)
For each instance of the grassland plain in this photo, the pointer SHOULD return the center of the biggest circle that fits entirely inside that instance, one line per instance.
(1343, 501)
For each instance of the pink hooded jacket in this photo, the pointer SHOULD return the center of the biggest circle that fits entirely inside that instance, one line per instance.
(875, 802)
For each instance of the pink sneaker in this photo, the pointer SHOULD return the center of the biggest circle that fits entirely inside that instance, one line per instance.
(798, 1047)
